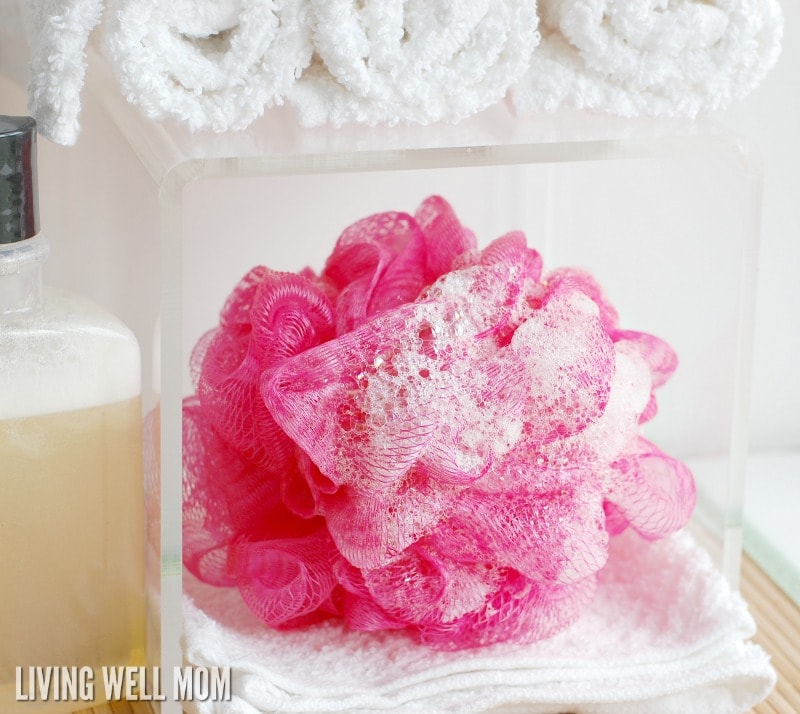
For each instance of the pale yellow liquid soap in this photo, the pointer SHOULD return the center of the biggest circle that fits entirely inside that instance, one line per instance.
(71, 485)
(71, 499)
(71, 521)
(69, 563)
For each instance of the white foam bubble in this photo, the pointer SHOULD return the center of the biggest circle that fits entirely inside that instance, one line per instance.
(70, 355)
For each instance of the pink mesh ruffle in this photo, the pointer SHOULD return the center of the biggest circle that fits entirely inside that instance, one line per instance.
(424, 437)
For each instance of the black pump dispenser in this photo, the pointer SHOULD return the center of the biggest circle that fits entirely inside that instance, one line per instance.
(19, 200)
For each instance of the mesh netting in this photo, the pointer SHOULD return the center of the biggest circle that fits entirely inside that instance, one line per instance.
(425, 436)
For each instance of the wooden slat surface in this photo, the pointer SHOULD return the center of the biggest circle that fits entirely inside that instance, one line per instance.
(121, 708)
(778, 620)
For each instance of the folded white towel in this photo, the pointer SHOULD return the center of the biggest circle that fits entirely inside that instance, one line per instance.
(416, 61)
(649, 57)
(212, 63)
(665, 635)
(59, 30)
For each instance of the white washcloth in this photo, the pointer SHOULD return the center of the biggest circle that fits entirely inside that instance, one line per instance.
(665, 635)
(58, 31)
(214, 64)
(649, 57)
(413, 61)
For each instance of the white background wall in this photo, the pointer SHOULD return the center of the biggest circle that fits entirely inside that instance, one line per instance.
(771, 117)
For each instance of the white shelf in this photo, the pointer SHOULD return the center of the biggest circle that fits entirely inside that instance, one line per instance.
(276, 144)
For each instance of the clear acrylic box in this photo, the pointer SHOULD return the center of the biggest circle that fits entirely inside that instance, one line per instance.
(666, 214)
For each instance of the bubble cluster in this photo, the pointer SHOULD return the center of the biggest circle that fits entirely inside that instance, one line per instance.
(426, 437)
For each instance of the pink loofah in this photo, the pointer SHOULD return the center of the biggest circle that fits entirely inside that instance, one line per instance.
(424, 437)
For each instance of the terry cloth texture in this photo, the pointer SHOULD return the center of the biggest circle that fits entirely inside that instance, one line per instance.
(218, 64)
(666, 635)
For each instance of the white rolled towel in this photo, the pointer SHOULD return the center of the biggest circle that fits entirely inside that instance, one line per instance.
(214, 64)
(413, 61)
(58, 31)
(649, 57)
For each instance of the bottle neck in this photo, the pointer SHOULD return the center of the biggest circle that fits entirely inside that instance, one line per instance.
(21, 274)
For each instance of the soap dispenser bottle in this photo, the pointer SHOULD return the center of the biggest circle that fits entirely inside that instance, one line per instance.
(71, 492)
